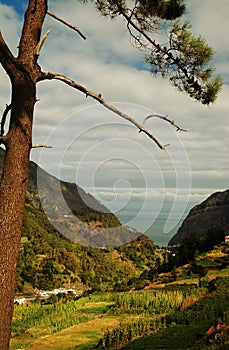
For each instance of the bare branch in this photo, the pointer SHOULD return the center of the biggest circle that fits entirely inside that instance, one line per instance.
(3, 140)
(99, 98)
(41, 145)
(3, 121)
(166, 119)
(41, 43)
(67, 24)
(31, 31)
(6, 57)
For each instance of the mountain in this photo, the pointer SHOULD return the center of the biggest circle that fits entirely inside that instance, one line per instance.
(214, 211)
(77, 215)
(50, 259)
(73, 194)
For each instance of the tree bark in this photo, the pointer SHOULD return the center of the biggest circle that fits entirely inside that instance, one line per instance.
(24, 73)
(12, 197)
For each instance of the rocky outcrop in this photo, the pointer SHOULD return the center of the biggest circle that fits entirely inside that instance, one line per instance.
(213, 211)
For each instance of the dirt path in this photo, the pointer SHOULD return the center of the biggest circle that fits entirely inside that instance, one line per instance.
(73, 337)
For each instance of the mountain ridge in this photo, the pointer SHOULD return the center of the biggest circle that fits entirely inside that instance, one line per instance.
(213, 211)
(50, 259)
(77, 215)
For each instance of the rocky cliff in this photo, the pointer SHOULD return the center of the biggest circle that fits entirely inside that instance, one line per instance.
(213, 211)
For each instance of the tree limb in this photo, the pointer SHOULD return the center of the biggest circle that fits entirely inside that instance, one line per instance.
(41, 43)
(3, 121)
(41, 145)
(67, 24)
(31, 31)
(6, 57)
(3, 140)
(166, 119)
(107, 105)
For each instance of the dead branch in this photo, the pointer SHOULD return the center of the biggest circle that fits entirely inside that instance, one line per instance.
(41, 43)
(3, 121)
(67, 24)
(164, 118)
(6, 57)
(3, 140)
(40, 145)
(101, 100)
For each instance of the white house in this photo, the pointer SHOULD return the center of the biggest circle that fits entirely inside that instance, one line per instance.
(19, 300)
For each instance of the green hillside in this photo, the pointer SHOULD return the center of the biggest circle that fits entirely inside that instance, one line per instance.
(48, 260)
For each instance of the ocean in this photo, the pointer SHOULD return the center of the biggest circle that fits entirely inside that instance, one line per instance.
(158, 213)
(155, 227)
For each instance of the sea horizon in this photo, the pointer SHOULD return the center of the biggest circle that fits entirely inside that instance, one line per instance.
(158, 213)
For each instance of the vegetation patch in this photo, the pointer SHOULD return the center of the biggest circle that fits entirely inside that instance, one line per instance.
(174, 338)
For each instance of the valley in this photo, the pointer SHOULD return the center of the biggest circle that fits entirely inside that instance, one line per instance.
(131, 295)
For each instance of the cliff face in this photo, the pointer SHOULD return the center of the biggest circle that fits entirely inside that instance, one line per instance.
(213, 211)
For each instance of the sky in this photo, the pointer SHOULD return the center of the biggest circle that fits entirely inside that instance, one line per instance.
(149, 189)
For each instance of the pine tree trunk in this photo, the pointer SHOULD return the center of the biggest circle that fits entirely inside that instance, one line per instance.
(12, 197)
(24, 72)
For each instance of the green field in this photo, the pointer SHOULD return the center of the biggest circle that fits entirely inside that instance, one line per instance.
(173, 315)
(131, 320)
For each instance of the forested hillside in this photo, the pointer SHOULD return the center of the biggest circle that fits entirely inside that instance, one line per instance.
(50, 260)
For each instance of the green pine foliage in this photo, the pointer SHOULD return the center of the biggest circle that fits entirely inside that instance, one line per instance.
(180, 56)
(163, 9)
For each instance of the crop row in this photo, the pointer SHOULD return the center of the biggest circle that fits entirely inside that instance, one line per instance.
(150, 302)
(55, 316)
(127, 331)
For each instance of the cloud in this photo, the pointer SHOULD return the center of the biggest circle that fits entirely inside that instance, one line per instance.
(209, 18)
(10, 26)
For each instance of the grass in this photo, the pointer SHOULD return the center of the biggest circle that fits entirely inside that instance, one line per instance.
(175, 337)
(80, 337)
(100, 307)
(216, 273)
(44, 321)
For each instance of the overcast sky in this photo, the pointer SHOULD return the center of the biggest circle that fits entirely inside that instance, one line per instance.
(100, 151)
